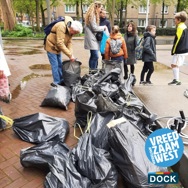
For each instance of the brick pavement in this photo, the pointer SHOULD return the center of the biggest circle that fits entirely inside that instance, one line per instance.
(26, 101)
(20, 56)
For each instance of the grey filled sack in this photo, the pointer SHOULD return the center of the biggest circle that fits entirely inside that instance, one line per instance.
(71, 72)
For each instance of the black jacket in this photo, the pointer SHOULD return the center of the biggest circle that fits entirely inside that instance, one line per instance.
(149, 48)
(104, 21)
(180, 44)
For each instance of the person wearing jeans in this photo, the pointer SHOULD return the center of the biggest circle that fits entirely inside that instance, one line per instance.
(60, 40)
(91, 28)
(56, 66)
(93, 58)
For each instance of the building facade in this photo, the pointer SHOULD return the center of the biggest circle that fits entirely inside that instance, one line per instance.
(136, 14)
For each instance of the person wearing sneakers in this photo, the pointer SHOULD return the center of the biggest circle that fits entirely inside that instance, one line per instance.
(149, 54)
(131, 39)
(180, 46)
(60, 40)
(116, 49)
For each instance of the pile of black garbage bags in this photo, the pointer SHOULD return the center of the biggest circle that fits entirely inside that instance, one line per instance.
(115, 125)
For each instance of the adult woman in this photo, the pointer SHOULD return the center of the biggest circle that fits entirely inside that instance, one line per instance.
(91, 28)
(131, 40)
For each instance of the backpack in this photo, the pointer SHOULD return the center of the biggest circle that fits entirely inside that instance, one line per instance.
(48, 28)
(139, 49)
(115, 45)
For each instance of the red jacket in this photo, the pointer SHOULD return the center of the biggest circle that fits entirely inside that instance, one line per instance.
(123, 50)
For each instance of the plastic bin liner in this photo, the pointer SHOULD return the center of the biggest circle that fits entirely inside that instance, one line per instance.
(84, 103)
(94, 163)
(71, 72)
(128, 151)
(108, 89)
(58, 96)
(91, 79)
(76, 90)
(54, 157)
(131, 100)
(108, 65)
(99, 129)
(39, 127)
(106, 104)
(130, 82)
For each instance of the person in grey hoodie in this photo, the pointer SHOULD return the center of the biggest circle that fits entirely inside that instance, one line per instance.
(149, 54)
(91, 28)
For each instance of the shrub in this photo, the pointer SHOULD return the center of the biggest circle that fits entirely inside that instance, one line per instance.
(19, 31)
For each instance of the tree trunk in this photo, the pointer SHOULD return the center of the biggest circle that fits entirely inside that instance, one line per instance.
(125, 14)
(37, 14)
(43, 16)
(121, 15)
(77, 10)
(82, 13)
(113, 10)
(8, 16)
(48, 11)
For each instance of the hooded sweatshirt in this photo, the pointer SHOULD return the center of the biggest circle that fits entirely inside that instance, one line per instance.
(123, 50)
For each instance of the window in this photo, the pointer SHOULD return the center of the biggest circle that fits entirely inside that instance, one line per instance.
(85, 7)
(165, 24)
(142, 9)
(141, 23)
(165, 9)
(70, 8)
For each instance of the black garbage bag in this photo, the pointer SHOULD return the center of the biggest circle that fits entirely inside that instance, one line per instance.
(109, 89)
(99, 129)
(85, 102)
(91, 79)
(131, 100)
(54, 157)
(76, 89)
(127, 144)
(130, 82)
(108, 65)
(43, 154)
(58, 96)
(94, 163)
(106, 104)
(39, 127)
(71, 72)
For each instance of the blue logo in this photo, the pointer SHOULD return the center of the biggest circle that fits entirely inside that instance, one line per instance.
(164, 147)
(163, 178)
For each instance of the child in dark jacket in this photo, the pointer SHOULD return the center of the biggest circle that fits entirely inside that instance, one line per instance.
(149, 54)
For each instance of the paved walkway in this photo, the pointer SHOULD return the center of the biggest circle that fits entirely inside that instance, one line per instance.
(30, 86)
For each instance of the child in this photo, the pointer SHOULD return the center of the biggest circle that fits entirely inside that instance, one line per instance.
(131, 39)
(149, 54)
(116, 48)
(180, 46)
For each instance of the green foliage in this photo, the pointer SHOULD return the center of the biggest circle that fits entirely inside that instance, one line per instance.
(160, 31)
(166, 31)
(19, 31)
